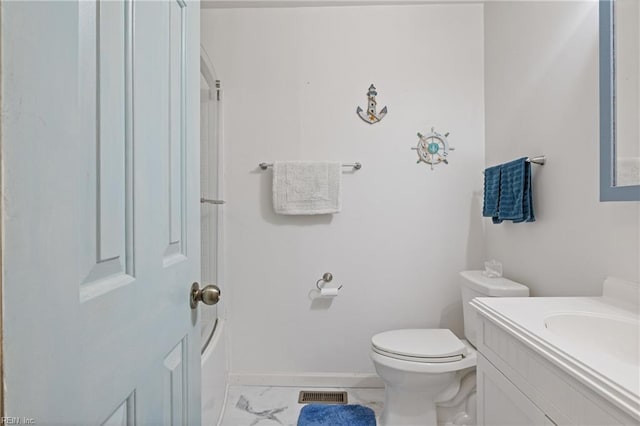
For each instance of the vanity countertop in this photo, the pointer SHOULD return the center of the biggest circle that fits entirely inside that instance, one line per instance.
(610, 369)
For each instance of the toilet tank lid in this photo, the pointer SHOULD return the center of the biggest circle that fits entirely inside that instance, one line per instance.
(493, 287)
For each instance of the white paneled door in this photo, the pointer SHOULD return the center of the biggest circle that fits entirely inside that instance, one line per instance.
(101, 211)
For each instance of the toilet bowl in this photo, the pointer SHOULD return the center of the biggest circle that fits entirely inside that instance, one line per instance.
(415, 375)
(423, 367)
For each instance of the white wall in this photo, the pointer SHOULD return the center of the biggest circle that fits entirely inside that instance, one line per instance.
(541, 85)
(292, 79)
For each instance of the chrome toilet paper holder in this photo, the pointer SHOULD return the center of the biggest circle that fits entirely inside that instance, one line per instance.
(326, 278)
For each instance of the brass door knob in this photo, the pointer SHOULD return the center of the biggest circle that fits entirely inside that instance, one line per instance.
(209, 295)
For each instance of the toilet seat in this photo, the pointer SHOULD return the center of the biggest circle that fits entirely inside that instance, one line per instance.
(419, 345)
(468, 360)
(415, 358)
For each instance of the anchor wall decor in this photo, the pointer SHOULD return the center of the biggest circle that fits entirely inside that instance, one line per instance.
(371, 116)
(433, 148)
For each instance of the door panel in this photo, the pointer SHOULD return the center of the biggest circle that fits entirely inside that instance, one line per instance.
(100, 143)
(175, 392)
(176, 34)
(124, 414)
(500, 402)
(104, 58)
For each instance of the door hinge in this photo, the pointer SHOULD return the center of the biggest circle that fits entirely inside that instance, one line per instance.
(218, 90)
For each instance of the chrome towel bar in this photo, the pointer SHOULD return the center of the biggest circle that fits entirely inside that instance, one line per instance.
(539, 160)
(356, 166)
(208, 201)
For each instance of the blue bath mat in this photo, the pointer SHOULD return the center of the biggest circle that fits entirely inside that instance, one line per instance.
(336, 415)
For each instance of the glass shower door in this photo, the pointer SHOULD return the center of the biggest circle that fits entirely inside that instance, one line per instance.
(211, 189)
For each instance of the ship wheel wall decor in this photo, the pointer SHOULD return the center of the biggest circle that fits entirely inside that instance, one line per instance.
(433, 148)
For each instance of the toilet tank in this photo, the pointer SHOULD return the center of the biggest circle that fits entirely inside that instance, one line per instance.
(474, 284)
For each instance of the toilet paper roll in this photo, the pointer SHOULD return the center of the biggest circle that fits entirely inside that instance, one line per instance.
(329, 292)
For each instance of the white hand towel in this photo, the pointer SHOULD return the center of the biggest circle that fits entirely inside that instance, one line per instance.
(306, 187)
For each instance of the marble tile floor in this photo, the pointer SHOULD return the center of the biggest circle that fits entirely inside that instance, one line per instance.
(278, 405)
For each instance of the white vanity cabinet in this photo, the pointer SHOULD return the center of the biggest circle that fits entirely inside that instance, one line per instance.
(518, 386)
(500, 402)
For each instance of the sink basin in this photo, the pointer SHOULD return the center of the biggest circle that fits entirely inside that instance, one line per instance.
(617, 336)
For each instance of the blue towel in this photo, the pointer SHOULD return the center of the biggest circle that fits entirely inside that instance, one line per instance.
(515, 192)
(514, 198)
(527, 197)
(336, 415)
(491, 192)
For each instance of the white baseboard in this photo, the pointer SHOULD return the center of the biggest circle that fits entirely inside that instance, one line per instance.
(318, 380)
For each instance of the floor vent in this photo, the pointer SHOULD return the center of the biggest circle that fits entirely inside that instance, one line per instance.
(320, 397)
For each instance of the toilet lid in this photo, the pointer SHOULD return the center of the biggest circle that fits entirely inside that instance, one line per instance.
(419, 343)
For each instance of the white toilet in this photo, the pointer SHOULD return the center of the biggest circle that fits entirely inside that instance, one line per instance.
(423, 367)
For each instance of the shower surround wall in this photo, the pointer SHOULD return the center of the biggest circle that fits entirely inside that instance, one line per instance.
(541, 73)
(293, 78)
